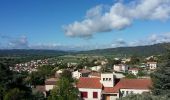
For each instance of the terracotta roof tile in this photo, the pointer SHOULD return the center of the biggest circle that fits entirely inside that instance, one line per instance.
(133, 68)
(129, 84)
(51, 81)
(95, 74)
(84, 71)
(40, 88)
(151, 62)
(86, 82)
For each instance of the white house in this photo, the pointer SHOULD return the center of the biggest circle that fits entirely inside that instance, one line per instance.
(120, 68)
(107, 79)
(50, 83)
(80, 73)
(134, 86)
(90, 88)
(95, 74)
(108, 88)
(125, 60)
(134, 71)
(59, 71)
(96, 68)
(118, 75)
(152, 65)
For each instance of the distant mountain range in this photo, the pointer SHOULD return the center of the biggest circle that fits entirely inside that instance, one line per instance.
(147, 50)
(138, 50)
(25, 52)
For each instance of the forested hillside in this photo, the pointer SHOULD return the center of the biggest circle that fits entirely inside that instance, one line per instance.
(138, 50)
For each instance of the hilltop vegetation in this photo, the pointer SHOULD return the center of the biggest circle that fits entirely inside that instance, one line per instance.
(20, 55)
(148, 50)
(25, 52)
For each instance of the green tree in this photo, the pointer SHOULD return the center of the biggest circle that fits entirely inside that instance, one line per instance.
(142, 73)
(160, 78)
(38, 96)
(134, 60)
(130, 76)
(144, 96)
(14, 94)
(46, 70)
(68, 75)
(36, 78)
(5, 79)
(11, 82)
(64, 89)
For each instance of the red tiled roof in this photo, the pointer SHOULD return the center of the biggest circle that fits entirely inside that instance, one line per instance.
(129, 84)
(40, 88)
(133, 68)
(151, 62)
(86, 82)
(84, 71)
(51, 81)
(95, 74)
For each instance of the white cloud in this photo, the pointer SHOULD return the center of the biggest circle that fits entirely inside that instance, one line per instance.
(119, 43)
(118, 17)
(19, 43)
(152, 39)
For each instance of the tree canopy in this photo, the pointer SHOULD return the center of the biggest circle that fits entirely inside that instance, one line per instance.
(64, 89)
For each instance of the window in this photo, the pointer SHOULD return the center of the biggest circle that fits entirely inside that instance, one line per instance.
(84, 95)
(95, 95)
(109, 79)
(106, 79)
(103, 79)
(127, 92)
(122, 93)
(131, 92)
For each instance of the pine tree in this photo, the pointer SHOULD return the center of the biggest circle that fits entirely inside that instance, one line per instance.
(161, 78)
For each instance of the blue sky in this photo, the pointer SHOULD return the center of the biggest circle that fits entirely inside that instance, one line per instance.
(83, 24)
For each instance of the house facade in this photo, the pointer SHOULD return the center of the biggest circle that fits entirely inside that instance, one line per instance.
(120, 68)
(134, 71)
(152, 65)
(80, 73)
(108, 88)
(90, 88)
(50, 83)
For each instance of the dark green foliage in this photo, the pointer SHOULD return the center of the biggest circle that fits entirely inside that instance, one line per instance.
(134, 60)
(64, 89)
(144, 96)
(142, 73)
(11, 57)
(14, 94)
(62, 65)
(46, 70)
(160, 78)
(38, 96)
(11, 82)
(112, 62)
(128, 51)
(5, 79)
(24, 52)
(68, 75)
(130, 76)
(38, 78)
